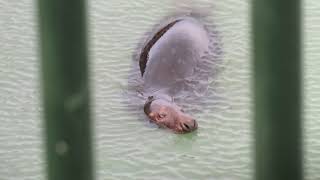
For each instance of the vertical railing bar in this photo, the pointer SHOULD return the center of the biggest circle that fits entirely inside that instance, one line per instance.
(277, 81)
(65, 89)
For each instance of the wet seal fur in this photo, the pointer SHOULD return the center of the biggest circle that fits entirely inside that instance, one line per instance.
(145, 52)
(159, 107)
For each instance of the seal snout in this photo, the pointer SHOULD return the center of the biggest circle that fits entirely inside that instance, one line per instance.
(189, 125)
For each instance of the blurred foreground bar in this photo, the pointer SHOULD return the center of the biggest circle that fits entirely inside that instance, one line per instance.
(65, 89)
(276, 49)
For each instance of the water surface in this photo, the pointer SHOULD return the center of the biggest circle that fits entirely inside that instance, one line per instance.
(127, 146)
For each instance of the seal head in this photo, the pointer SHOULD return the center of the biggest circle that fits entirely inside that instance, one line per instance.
(167, 114)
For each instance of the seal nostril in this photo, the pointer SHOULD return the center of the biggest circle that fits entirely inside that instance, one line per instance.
(195, 124)
(186, 127)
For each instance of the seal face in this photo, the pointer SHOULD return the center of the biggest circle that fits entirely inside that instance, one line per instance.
(167, 61)
(169, 115)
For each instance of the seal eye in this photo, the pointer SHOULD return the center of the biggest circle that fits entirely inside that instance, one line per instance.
(162, 115)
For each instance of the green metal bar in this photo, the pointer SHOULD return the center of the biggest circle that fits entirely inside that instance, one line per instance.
(65, 89)
(276, 47)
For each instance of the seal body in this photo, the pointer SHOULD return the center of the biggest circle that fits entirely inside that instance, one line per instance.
(172, 59)
(168, 62)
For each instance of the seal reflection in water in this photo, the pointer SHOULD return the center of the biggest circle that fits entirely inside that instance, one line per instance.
(167, 61)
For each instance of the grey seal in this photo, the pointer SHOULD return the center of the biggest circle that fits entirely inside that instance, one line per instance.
(167, 62)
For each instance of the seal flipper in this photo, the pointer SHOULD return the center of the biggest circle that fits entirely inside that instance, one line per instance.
(145, 51)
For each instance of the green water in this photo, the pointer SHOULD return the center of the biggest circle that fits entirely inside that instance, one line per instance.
(126, 145)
